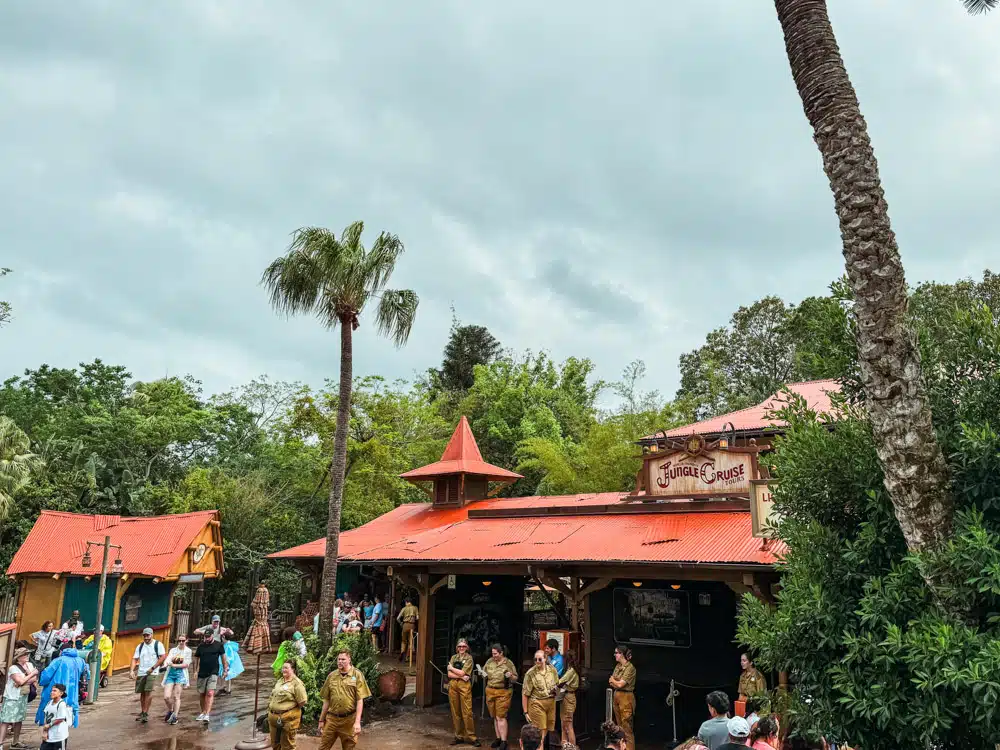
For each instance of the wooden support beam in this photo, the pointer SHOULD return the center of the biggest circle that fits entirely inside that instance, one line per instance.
(407, 580)
(554, 583)
(738, 588)
(595, 586)
(574, 598)
(587, 661)
(442, 582)
(552, 602)
(425, 650)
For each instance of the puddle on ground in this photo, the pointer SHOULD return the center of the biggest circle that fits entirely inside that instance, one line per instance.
(173, 743)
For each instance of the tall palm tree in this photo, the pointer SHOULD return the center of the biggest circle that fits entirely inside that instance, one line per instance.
(916, 474)
(17, 462)
(334, 279)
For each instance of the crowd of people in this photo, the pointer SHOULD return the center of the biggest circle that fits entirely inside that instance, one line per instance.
(51, 668)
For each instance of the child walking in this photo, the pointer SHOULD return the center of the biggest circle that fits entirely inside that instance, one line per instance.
(58, 717)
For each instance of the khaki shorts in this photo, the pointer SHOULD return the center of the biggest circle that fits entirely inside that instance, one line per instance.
(208, 684)
(145, 684)
(568, 707)
(542, 713)
(498, 702)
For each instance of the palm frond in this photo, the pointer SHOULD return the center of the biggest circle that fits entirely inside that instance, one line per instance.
(397, 309)
(380, 261)
(297, 281)
(17, 462)
(975, 7)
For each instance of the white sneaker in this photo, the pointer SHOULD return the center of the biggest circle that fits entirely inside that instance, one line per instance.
(200, 717)
(206, 718)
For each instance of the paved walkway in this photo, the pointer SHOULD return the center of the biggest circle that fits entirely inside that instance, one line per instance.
(110, 723)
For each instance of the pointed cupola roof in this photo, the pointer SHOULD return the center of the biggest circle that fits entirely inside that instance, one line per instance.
(462, 456)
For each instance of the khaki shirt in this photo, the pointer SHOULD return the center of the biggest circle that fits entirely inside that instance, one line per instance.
(570, 680)
(409, 614)
(495, 670)
(468, 666)
(625, 671)
(540, 682)
(287, 695)
(752, 682)
(343, 691)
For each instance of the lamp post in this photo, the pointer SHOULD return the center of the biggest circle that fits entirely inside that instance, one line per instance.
(117, 568)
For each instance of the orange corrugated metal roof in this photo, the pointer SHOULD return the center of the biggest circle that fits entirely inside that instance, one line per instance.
(754, 418)
(462, 456)
(150, 546)
(421, 533)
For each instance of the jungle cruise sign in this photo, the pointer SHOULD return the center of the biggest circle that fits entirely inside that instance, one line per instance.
(694, 468)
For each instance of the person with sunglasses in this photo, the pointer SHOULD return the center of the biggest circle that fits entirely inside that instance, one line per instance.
(538, 691)
(623, 681)
(460, 670)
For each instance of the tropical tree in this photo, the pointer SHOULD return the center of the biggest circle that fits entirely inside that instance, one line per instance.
(4, 306)
(17, 462)
(334, 279)
(914, 467)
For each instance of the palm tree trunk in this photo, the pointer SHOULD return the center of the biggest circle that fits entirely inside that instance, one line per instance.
(916, 475)
(338, 467)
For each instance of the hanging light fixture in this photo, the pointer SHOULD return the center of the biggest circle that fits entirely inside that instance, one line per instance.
(118, 568)
(675, 586)
(487, 583)
(637, 584)
(86, 562)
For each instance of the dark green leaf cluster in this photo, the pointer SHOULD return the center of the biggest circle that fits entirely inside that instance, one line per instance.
(875, 657)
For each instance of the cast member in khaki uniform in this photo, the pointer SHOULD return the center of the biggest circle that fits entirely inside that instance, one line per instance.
(500, 677)
(343, 696)
(569, 683)
(460, 670)
(623, 681)
(538, 694)
(409, 616)
(752, 682)
(283, 710)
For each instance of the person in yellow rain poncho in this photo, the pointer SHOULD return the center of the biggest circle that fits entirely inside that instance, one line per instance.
(105, 646)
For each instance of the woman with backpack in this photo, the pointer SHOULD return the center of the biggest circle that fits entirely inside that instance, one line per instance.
(21, 677)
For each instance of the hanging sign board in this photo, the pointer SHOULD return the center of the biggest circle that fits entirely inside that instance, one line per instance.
(763, 519)
(452, 580)
(696, 469)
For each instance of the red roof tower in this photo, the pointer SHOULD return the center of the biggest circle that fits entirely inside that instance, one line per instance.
(461, 476)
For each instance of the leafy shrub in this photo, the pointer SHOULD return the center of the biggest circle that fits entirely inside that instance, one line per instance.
(315, 666)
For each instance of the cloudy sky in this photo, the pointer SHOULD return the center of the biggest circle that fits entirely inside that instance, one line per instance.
(595, 179)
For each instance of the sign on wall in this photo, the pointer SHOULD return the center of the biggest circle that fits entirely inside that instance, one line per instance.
(696, 469)
(133, 604)
(654, 617)
(763, 519)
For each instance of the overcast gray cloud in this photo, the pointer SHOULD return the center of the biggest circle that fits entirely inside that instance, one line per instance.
(595, 180)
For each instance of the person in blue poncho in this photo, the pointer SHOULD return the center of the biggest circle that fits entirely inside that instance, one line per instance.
(68, 669)
(232, 649)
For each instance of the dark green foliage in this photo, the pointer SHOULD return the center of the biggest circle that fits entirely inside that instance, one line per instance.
(875, 658)
(763, 347)
(313, 670)
(467, 347)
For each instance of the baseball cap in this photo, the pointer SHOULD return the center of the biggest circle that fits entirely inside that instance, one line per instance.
(147, 631)
(216, 618)
(738, 727)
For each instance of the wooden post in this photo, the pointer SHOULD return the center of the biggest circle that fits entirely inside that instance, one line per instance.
(425, 647)
(575, 604)
(390, 613)
(197, 595)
